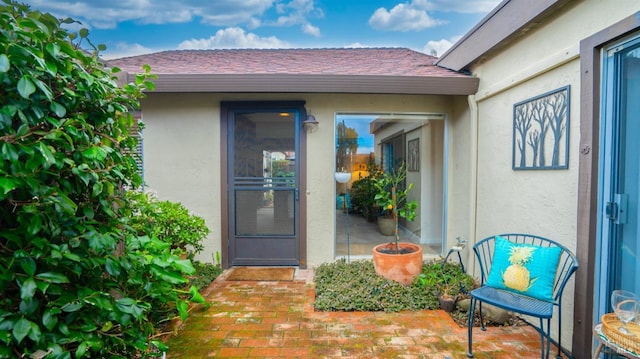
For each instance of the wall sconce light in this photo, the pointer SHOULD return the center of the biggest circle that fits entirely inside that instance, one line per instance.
(310, 124)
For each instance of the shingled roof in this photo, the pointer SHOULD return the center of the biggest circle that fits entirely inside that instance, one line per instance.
(348, 70)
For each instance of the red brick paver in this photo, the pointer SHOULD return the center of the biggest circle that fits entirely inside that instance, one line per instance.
(277, 320)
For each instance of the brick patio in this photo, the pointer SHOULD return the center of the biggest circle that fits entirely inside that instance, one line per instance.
(277, 320)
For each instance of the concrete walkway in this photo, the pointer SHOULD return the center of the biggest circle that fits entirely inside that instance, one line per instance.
(277, 320)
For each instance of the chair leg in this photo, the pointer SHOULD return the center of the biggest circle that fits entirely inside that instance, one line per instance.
(542, 344)
(548, 335)
(472, 309)
(482, 327)
(559, 356)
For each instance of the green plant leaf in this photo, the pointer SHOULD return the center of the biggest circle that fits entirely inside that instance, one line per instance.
(82, 349)
(184, 265)
(50, 318)
(169, 276)
(46, 152)
(58, 109)
(7, 185)
(183, 309)
(35, 225)
(52, 277)
(72, 307)
(160, 346)
(28, 288)
(26, 87)
(4, 63)
(44, 88)
(35, 333)
(112, 267)
(95, 153)
(28, 265)
(9, 152)
(196, 297)
(21, 329)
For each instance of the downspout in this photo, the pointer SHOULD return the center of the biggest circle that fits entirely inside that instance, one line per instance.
(473, 186)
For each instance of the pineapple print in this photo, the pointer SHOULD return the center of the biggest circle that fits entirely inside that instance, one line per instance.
(517, 276)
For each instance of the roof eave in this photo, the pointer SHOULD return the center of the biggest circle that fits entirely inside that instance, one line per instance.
(499, 27)
(301, 83)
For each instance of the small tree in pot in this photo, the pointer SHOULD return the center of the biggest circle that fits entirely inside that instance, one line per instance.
(391, 196)
(397, 261)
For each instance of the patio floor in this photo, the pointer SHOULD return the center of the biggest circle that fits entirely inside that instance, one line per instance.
(277, 320)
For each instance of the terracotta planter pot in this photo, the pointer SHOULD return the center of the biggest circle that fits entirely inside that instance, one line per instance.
(402, 268)
(386, 226)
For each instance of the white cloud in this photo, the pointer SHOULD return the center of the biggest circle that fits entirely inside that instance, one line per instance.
(233, 38)
(437, 48)
(251, 13)
(311, 30)
(408, 16)
(123, 49)
(356, 45)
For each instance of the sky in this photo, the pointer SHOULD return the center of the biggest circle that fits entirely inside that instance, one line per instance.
(134, 27)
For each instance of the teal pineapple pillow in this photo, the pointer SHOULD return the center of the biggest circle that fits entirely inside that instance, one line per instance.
(524, 268)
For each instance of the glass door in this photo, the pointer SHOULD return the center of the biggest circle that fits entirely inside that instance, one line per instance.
(620, 191)
(263, 187)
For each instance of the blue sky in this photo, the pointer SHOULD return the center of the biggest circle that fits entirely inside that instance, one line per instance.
(133, 27)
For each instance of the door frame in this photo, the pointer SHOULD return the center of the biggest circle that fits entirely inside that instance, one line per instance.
(227, 108)
(588, 179)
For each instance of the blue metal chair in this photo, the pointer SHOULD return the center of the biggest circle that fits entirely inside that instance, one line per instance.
(522, 304)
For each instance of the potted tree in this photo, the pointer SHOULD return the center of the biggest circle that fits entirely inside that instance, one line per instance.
(399, 261)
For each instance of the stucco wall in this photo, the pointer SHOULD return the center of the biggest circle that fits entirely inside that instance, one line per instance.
(546, 58)
(182, 154)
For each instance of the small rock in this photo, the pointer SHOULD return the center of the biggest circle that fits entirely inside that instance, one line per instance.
(490, 312)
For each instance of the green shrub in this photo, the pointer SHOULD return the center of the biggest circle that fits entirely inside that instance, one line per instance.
(363, 192)
(168, 221)
(447, 279)
(205, 273)
(355, 286)
(74, 280)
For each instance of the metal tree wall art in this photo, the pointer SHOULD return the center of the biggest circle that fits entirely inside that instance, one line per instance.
(541, 131)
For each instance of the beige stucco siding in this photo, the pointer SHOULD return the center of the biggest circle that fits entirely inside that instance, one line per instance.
(542, 202)
(182, 154)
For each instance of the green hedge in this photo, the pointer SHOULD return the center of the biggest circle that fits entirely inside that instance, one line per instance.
(75, 279)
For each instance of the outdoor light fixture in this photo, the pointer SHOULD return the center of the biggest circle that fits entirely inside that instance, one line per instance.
(310, 124)
(343, 177)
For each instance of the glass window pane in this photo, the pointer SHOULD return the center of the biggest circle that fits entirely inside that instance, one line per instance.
(369, 143)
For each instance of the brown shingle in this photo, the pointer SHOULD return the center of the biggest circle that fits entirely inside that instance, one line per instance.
(348, 61)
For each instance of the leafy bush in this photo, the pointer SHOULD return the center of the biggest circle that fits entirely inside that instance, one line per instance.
(355, 286)
(205, 273)
(169, 221)
(445, 278)
(363, 192)
(75, 281)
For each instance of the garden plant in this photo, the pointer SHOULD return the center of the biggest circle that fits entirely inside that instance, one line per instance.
(392, 196)
(76, 280)
(355, 286)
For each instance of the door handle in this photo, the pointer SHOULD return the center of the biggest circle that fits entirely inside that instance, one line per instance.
(616, 211)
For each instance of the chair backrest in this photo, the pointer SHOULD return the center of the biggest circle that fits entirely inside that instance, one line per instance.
(567, 265)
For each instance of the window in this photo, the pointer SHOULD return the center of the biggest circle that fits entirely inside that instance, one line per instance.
(369, 143)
